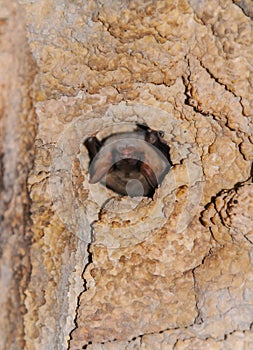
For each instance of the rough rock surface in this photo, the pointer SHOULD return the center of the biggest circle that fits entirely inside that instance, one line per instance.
(17, 133)
(175, 271)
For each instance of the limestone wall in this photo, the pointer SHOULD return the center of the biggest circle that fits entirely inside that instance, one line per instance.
(111, 272)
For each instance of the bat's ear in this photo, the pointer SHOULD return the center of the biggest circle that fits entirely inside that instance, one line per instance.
(161, 133)
(149, 175)
(99, 167)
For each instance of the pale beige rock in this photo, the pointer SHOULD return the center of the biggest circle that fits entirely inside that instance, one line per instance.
(17, 133)
(172, 271)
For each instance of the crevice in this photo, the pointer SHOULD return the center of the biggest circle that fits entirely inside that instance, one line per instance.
(248, 240)
(86, 346)
(198, 319)
(137, 337)
(89, 261)
(243, 7)
(212, 76)
(226, 88)
(1, 172)
(141, 341)
(243, 155)
(189, 101)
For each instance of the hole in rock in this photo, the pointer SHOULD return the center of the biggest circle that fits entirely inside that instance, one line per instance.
(130, 163)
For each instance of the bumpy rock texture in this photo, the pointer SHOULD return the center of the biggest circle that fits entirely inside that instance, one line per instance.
(17, 132)
(111, 272)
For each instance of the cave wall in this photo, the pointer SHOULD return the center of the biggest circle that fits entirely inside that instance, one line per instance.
(103, 271)
(17, 133)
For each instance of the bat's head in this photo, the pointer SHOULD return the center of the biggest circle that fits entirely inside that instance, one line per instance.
(127, 149)
(126, 146)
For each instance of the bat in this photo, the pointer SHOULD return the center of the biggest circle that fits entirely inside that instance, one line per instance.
(130, 163)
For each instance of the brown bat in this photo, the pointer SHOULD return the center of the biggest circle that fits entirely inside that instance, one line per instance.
(130, 163)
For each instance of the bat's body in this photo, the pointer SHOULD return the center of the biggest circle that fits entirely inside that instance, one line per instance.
(130, 163)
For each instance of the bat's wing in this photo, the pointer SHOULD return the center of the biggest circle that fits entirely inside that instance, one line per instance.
(100, 159)
(100, 166)
(149, 174)
(154, 164)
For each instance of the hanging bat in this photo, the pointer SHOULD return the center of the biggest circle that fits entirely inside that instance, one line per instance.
(130, 163)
